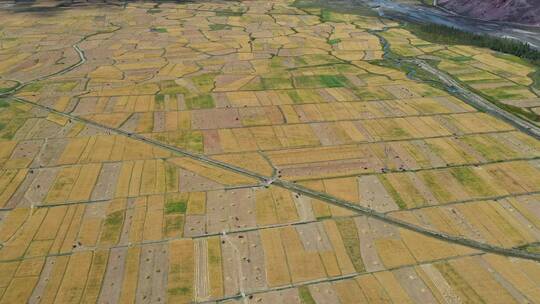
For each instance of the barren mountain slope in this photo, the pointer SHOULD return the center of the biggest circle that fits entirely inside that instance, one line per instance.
(520, 11)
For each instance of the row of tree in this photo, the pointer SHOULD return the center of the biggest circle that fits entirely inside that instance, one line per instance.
(450, 35)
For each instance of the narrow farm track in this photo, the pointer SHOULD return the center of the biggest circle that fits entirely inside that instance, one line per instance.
(291, 186)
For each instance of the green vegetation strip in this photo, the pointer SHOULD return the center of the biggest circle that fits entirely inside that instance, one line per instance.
(305, 295)
(159, 30)
(176, 207)
(449, 35)
(349, 234)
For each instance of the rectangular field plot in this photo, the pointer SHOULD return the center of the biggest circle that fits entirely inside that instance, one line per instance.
(507, 222)
(402, 155)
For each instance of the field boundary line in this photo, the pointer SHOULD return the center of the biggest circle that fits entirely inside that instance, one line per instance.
(291, 186)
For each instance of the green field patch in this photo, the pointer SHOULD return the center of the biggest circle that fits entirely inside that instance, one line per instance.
(176, 206)
(349, 234)
(180, 291)
(228, 12)
(169, 87)
(470, 181)
(8, 130)
(535, 76)
(219, 27)
(6, 86)
(205, 101)
(253, 85)
(33, 87)
(115, 218)
(458, 58)
(532, 248)
(332, 15)
(514, 92)
(326, 16)
(391, 130)
(186, 139)
(489, 148)
(214, 252)
(476, 76)
(277, 63)
(458, 284)
(294, 96)
(348, 69)
(305, 295)
(525, 113)
(388, 129)
(154, 11)
(112, 226)
(428, 91)
(334, 41)
(325, 69)
(449, 35)
(11, 117)
(159, 100)
(323, 217)
(67, 86)
(398, 133)
(393, 192)
(174, 224)
(477, 83)
(317, 59)
(409, 193)
(321, 81)
(514, 59)
(439, 190)
(4, 90)
(191, 140)
(274, 83)
(158, 29)
(462, 59)
(372, 93)
(416, 152)
(406, 50)
(204, 82)
(300, 61)
(171, 177)
(419, 42)
(341, 9)
(310, 95)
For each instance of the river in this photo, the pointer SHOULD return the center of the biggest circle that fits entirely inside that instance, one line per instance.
(425, 14)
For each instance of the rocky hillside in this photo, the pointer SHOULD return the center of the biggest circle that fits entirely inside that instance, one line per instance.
(519, 11)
